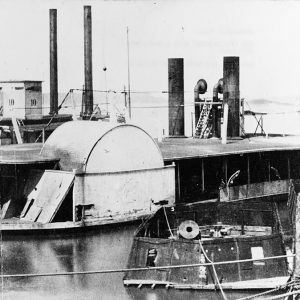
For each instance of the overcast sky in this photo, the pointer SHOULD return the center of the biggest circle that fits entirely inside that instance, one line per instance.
(265, 34)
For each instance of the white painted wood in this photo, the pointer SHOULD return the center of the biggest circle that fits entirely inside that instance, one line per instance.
(48, 196)
(16, 129)
(124, 193)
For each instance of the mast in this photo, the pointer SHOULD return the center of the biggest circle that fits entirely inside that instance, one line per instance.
(128, 75)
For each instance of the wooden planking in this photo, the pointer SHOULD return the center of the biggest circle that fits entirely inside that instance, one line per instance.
(124, 193)
(52, 205)
(48, 196)
(256, 284)
(177, 149)
(254, 190)
(186, 252)
(29, 214)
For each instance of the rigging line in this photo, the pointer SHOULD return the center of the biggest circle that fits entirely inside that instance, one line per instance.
(165, 213)
(98, 91)
(138, 92)
(55, 113)
(106, 94)
(214, 269)
(268, 291)
(104, 103)
(283, 295)
(144, 268)
(128, 70)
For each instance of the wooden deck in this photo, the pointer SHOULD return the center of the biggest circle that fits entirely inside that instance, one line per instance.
(22, 154)
(21, 226)
(186, 148)
(172, 148)
(257, 284)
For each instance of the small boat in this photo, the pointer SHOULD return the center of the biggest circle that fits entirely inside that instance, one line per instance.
(209, 245)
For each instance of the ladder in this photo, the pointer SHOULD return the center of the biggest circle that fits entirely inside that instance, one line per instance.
(20, 122)
(16, 129)
(203, 129)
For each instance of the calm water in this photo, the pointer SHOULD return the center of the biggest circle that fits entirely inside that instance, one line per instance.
(83, 252)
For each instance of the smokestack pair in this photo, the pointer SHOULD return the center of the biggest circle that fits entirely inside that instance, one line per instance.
(88, 74)
(231, 95)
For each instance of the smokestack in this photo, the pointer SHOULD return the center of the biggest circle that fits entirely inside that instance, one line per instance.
(53, 62)
(88, 72)
(176, 97)
(231, 94)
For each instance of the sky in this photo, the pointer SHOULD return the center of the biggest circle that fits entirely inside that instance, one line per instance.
(264, 34)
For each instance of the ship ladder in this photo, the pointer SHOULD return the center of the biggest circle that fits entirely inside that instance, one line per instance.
(16, 129)
(20, 122)
(203, 129)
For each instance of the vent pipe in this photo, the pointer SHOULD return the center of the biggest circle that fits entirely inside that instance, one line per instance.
(216, 112)
(88, 72)
(176, 97)
(53, 62)
(199, 89)
(218, 89)
(231, 94)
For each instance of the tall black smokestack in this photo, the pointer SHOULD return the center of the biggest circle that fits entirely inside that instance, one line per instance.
(231, 94)
(176, 97)
(53, 62)
(88, 72)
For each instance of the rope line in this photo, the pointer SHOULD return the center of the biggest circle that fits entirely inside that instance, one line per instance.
(168, 224)
(214, 269)
(142, 268)
(283, 295)
(268, 292)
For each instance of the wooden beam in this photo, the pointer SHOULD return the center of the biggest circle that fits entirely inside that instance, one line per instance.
(202, 176)
(269, 169)
(297, 238)
(225, 169)
(248, 170)
(238, 258)
(178, 181)
(289, 167)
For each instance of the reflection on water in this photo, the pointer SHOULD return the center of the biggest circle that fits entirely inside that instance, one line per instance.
(104, 249)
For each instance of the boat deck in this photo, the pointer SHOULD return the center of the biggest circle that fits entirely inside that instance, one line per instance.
(186, 148)
(172, 148)
(256, 284)
(23, 154)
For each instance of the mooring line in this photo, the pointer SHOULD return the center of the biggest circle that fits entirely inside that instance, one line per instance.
(288, 284)
(214, 269)
(122, 270)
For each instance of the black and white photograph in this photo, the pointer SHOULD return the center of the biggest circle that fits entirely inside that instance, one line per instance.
(149, 150)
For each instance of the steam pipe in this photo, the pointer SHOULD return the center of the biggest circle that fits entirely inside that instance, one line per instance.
(200, 88)
(216, 113)
(218, 89)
